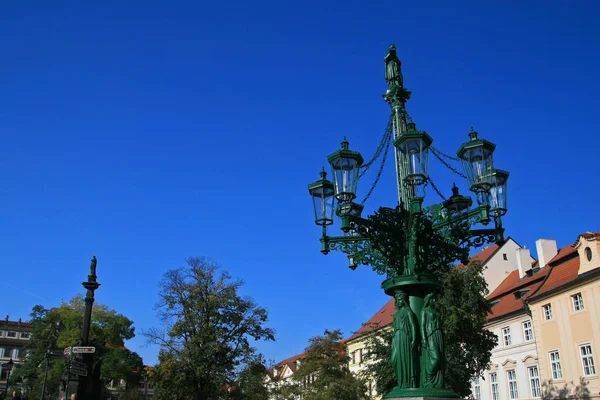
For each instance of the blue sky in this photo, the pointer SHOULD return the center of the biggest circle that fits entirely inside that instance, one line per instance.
(148, 132)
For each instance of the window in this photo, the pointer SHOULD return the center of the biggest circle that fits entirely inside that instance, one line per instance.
(577, 302)
(8, 352)
(494, 385)
(504, 256)
(24, 335)
(588, 253)
(534, 381)
(587, 359)
(512, 384)
(506, 336)
(353, 357)
(547, 312)
(360, 356)
(4, 374)
(527, 331)
(555, 365)
(11, 334)
(477, 389)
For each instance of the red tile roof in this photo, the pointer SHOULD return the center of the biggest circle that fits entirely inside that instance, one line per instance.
(383, 317)
(513, 282)
(561, 274)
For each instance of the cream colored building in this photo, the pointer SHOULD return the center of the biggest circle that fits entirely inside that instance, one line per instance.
(514, 371)
(566, 312)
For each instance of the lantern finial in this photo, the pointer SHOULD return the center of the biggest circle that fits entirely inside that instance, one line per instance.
(473, 134)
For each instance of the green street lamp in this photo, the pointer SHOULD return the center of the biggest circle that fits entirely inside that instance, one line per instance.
(322, 194)
(345, 165)
(413, 147)
(412, 244)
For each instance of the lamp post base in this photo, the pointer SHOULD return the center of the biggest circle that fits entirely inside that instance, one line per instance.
(421, 394)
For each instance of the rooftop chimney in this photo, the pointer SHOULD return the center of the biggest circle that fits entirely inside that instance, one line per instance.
(523, 261)
(546, 250)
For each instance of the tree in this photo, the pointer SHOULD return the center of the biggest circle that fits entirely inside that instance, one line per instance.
(251, 384)
(323, 374)
(207, 331)
(468, 344)
(60, 327)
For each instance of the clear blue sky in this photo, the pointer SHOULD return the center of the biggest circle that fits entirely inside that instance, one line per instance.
(147, 132)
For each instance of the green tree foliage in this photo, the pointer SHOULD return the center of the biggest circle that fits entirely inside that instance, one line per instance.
(251, 383)
(60, 327)
(465, 309)
(323, 373)
(207, 332)
(468, 344)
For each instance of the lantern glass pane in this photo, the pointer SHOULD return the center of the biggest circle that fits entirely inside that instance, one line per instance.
(477, 162)
(345, 172)
(498, 194)
(414, 156)
(323, 204)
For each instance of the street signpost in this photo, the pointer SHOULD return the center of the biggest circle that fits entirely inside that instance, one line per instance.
(84, 350)
(78, 370)
(67, 351)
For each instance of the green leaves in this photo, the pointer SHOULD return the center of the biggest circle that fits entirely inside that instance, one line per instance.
(206, 332)
(324, 374)
(60, 327)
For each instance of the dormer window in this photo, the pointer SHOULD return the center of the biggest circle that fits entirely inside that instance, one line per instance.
(588, 253)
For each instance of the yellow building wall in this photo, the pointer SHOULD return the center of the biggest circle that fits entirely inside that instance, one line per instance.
(567, 330)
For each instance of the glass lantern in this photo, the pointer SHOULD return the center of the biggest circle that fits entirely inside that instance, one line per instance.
(497, 193)
(322, 194)
(413, 147)
(457, 203)
(345, 165)
(476, 156)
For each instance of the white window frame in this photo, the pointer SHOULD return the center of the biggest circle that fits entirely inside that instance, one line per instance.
(506, 337)
(494, 386)
(587, 360)
(510, 383)
(476, 389)
(555, 366)
(526, 329)
(534, 381)
(27, 335)
(547, 310)
(577, 301)
(11, 334)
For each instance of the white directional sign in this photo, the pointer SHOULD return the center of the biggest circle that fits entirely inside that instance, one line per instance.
(84, 349)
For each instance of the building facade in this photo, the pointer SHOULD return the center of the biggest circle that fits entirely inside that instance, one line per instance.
(14, 336)
(566, 313)
(514, 371)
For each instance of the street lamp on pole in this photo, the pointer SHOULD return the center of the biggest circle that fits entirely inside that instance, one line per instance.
(9, 366)
(412, 244)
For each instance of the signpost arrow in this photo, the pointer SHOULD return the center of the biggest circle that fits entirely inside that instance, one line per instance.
(84, 349)
(67, 351)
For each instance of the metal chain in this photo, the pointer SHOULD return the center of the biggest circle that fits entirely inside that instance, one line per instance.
(444, 154)
(436, 189)
(451, 168)
(385, 153)
(389, 130)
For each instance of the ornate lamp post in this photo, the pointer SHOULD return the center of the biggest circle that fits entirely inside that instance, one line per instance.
(411, 244)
